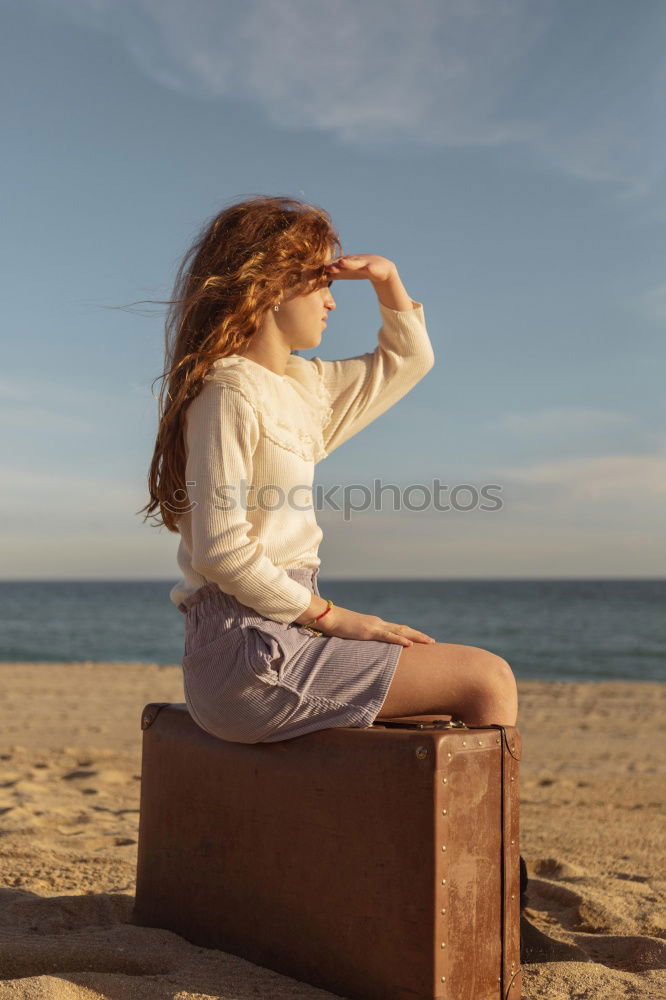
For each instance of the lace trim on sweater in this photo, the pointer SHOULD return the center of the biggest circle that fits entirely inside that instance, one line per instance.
(292, 409)
(324, 396)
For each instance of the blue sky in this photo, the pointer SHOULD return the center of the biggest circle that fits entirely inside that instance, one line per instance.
(509, 157)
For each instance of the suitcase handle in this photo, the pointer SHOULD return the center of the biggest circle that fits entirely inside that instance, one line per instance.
(421, 722)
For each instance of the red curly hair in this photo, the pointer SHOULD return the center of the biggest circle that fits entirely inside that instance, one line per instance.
(240, 265)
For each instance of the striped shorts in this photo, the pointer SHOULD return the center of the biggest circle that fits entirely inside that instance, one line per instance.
(250, 679)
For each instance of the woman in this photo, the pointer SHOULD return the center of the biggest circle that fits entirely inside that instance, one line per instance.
(242, 425)
(243, 419)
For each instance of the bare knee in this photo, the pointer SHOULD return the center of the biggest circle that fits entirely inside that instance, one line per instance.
(502, 675)
(496, 697)
(468, 682)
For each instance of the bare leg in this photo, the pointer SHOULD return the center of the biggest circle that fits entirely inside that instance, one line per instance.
(471, 683)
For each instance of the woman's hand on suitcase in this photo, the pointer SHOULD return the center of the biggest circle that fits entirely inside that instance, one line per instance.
(347, 624)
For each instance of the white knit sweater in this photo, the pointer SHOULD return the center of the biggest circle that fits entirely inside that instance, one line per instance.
(250, 426)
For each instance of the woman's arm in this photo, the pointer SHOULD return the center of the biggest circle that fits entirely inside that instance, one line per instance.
(391, 292)
(222, 433)
(361, 388)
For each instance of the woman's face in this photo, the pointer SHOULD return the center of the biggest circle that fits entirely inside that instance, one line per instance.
(301, 318)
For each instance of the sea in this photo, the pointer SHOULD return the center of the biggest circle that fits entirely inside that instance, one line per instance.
(563, 630)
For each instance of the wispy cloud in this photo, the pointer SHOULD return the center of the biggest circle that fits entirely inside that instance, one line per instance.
(562, 420)
(601, 515)
(634, 484)
(456, 73)
(652, 303)
(39, 418)
(21, 484)
(21, 407)
(60, 405)
(595, 516)
(598, 491)
(48, 503)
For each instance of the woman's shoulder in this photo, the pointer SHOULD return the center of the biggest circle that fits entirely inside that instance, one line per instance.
(224, 380)
(237, 369)
(234, 366)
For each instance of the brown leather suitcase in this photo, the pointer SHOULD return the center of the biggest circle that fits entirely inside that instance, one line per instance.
(378, 863)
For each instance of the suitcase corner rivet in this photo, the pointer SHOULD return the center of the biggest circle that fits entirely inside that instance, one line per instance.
(512, 841)
(443, 909)
(443, 944)
(443, 881)
(443, 847)
(480, 743)
(449, 754)
(443, 979)
(464, 743)
(445, 781)
(513, 895)
(497, 740)
(421, 752)
(443, 812)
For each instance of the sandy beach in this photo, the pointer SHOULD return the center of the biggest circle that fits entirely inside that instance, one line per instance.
(592, 819)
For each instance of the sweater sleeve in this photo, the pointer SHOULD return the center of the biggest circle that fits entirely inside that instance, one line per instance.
(222, 432)
(361, 388)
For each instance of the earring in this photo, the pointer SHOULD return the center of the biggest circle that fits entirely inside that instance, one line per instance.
(276, 308)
